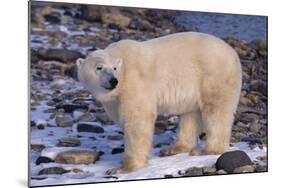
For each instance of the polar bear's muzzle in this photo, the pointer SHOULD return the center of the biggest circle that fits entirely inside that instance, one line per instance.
(110, 84)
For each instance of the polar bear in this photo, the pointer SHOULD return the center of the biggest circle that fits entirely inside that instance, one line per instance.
(194, 75)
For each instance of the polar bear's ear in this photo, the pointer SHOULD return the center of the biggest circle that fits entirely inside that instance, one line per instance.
(119, 62)
(79, 62)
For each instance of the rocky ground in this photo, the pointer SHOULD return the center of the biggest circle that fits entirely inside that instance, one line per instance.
(72, 139)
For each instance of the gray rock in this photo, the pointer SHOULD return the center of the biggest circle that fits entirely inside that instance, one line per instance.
(84, 127)
(53, 170)
(77, 157)
(228, 161)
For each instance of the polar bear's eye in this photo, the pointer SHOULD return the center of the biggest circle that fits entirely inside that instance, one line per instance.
(99, 68)
(114, 68)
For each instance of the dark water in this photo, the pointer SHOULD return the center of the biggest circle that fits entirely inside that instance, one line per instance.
(243, 27)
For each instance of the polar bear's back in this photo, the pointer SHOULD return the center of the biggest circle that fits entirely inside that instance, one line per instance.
(187, 62)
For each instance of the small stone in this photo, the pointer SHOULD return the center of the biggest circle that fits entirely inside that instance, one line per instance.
(117, 150)
(84, 127)
(69, 108)
(252, 140)
(194, 171)
(77, 157)
(255, 127)
(116, 19)
(63, 119)
(262, 158)
(103, 118)
(37, 147)
(32, 124)
(43, 159)
(160, 127)
(53, 170)
(115, 137)
(69, 142)
(260, 168)
(52, 18)
(86, 117)
(209, 170)
(168, 176)
(228, 161)
(40, 127)
(77, 170)
(221, 172)
(244, 169)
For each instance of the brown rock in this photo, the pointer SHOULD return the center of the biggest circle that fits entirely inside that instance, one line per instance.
(77, 157)
(37, 147)
(116, 19)
(69, 142)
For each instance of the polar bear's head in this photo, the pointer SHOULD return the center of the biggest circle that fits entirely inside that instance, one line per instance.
(100, 73)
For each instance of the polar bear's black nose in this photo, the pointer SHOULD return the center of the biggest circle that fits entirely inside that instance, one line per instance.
(113, 82)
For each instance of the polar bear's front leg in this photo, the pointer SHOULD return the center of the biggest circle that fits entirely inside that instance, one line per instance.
(138, 129)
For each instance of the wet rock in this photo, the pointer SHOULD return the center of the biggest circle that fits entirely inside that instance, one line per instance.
(244, 169)
(43, 159)
(37, 147)
(53, 170)
(228, 161)
(63, 119)
(77, 157)
(116, 19)
(93, 128)
(69, 108)
(117, 150)
(104, 119)
(62, 55)
(194, 171)
(69, 142)
(209, 170)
